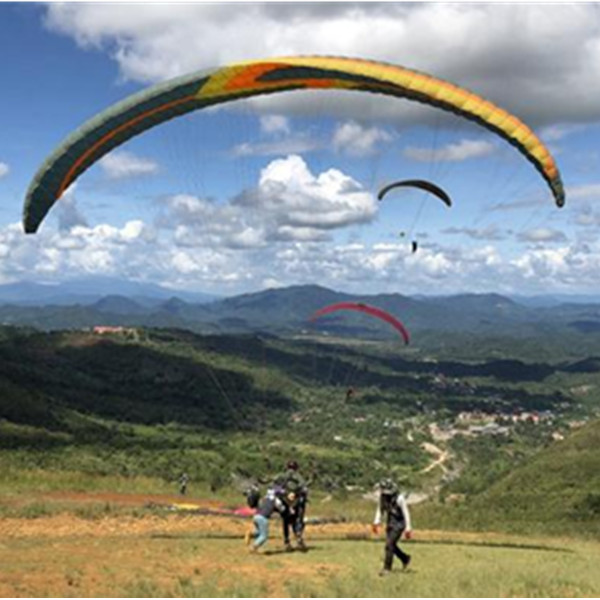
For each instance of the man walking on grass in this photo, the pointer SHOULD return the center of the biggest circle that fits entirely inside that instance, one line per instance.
(393, 504)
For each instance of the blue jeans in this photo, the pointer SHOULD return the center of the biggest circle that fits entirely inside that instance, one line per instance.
(261, 530)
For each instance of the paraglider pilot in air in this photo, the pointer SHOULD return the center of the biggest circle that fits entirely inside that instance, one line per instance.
(392, 504)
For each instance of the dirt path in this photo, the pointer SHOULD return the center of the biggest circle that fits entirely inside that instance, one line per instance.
(442, 457)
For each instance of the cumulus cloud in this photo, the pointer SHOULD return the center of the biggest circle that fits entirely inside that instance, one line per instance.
(4, 170)
(355, 139)
(68, 213)
(290, 194)
(456, 152)
(278, 138)
(289, 203)
(557, 79)
(213, 261)
(121, 164)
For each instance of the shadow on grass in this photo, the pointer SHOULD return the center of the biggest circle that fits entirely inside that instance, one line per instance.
(309, 549)
(357, 538)
(482, 544)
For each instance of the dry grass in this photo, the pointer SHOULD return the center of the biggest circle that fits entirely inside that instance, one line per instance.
(185, 555)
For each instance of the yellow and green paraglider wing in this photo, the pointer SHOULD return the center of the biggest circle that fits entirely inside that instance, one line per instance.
(164, 101)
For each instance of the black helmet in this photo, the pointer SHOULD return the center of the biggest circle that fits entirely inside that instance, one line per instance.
(292, 465)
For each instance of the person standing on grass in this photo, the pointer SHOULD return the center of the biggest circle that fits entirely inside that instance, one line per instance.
(293, 519)
(296, 496)
(183, 482)
(270, 504)
(393, 504)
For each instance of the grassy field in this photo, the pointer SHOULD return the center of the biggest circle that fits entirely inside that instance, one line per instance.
(86, 545)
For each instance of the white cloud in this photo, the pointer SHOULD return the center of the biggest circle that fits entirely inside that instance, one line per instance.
(68, 213)
(552, 58)
(274, 124)
(290, 194)
(542, 234)
(288, 204)
(298, 144)
(490, 233)
(277, 138)
(457, 152)
(213, 261)
(554, 133)
(355, 139)
(586, 191)
(121, 164)
(286, 233)
(4, 170)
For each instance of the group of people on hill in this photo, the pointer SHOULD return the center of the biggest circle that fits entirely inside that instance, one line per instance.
(288, 497)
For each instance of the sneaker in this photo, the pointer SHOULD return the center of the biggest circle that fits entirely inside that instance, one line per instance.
(289, 548)
(384, 572)
(302, 546)
(406, 562)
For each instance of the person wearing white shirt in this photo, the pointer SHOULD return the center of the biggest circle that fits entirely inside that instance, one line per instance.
(393, 505)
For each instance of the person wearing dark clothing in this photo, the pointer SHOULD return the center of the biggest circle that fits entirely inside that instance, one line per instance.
(299, 523)
(183, 482)
(293, 519)
(290, 479)
(392, 504)
(270, 504)
(296, 496)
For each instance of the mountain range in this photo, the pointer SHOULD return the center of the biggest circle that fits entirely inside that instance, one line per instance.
(284, 311)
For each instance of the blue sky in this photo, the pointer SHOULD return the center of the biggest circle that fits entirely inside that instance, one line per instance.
(191, 204)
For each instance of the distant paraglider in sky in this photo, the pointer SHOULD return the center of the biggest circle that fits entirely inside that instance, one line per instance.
(367, 309)
(421, 184)
(160, 103)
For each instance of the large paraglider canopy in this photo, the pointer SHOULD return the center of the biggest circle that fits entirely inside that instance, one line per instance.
(421, 184)
(142, 111)
(365, 308)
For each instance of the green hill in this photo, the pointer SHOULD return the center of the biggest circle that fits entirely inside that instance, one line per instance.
(559, 485)
(156, 402)
(557, 490)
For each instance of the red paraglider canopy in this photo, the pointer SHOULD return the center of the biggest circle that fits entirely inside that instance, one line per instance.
(365, 308)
